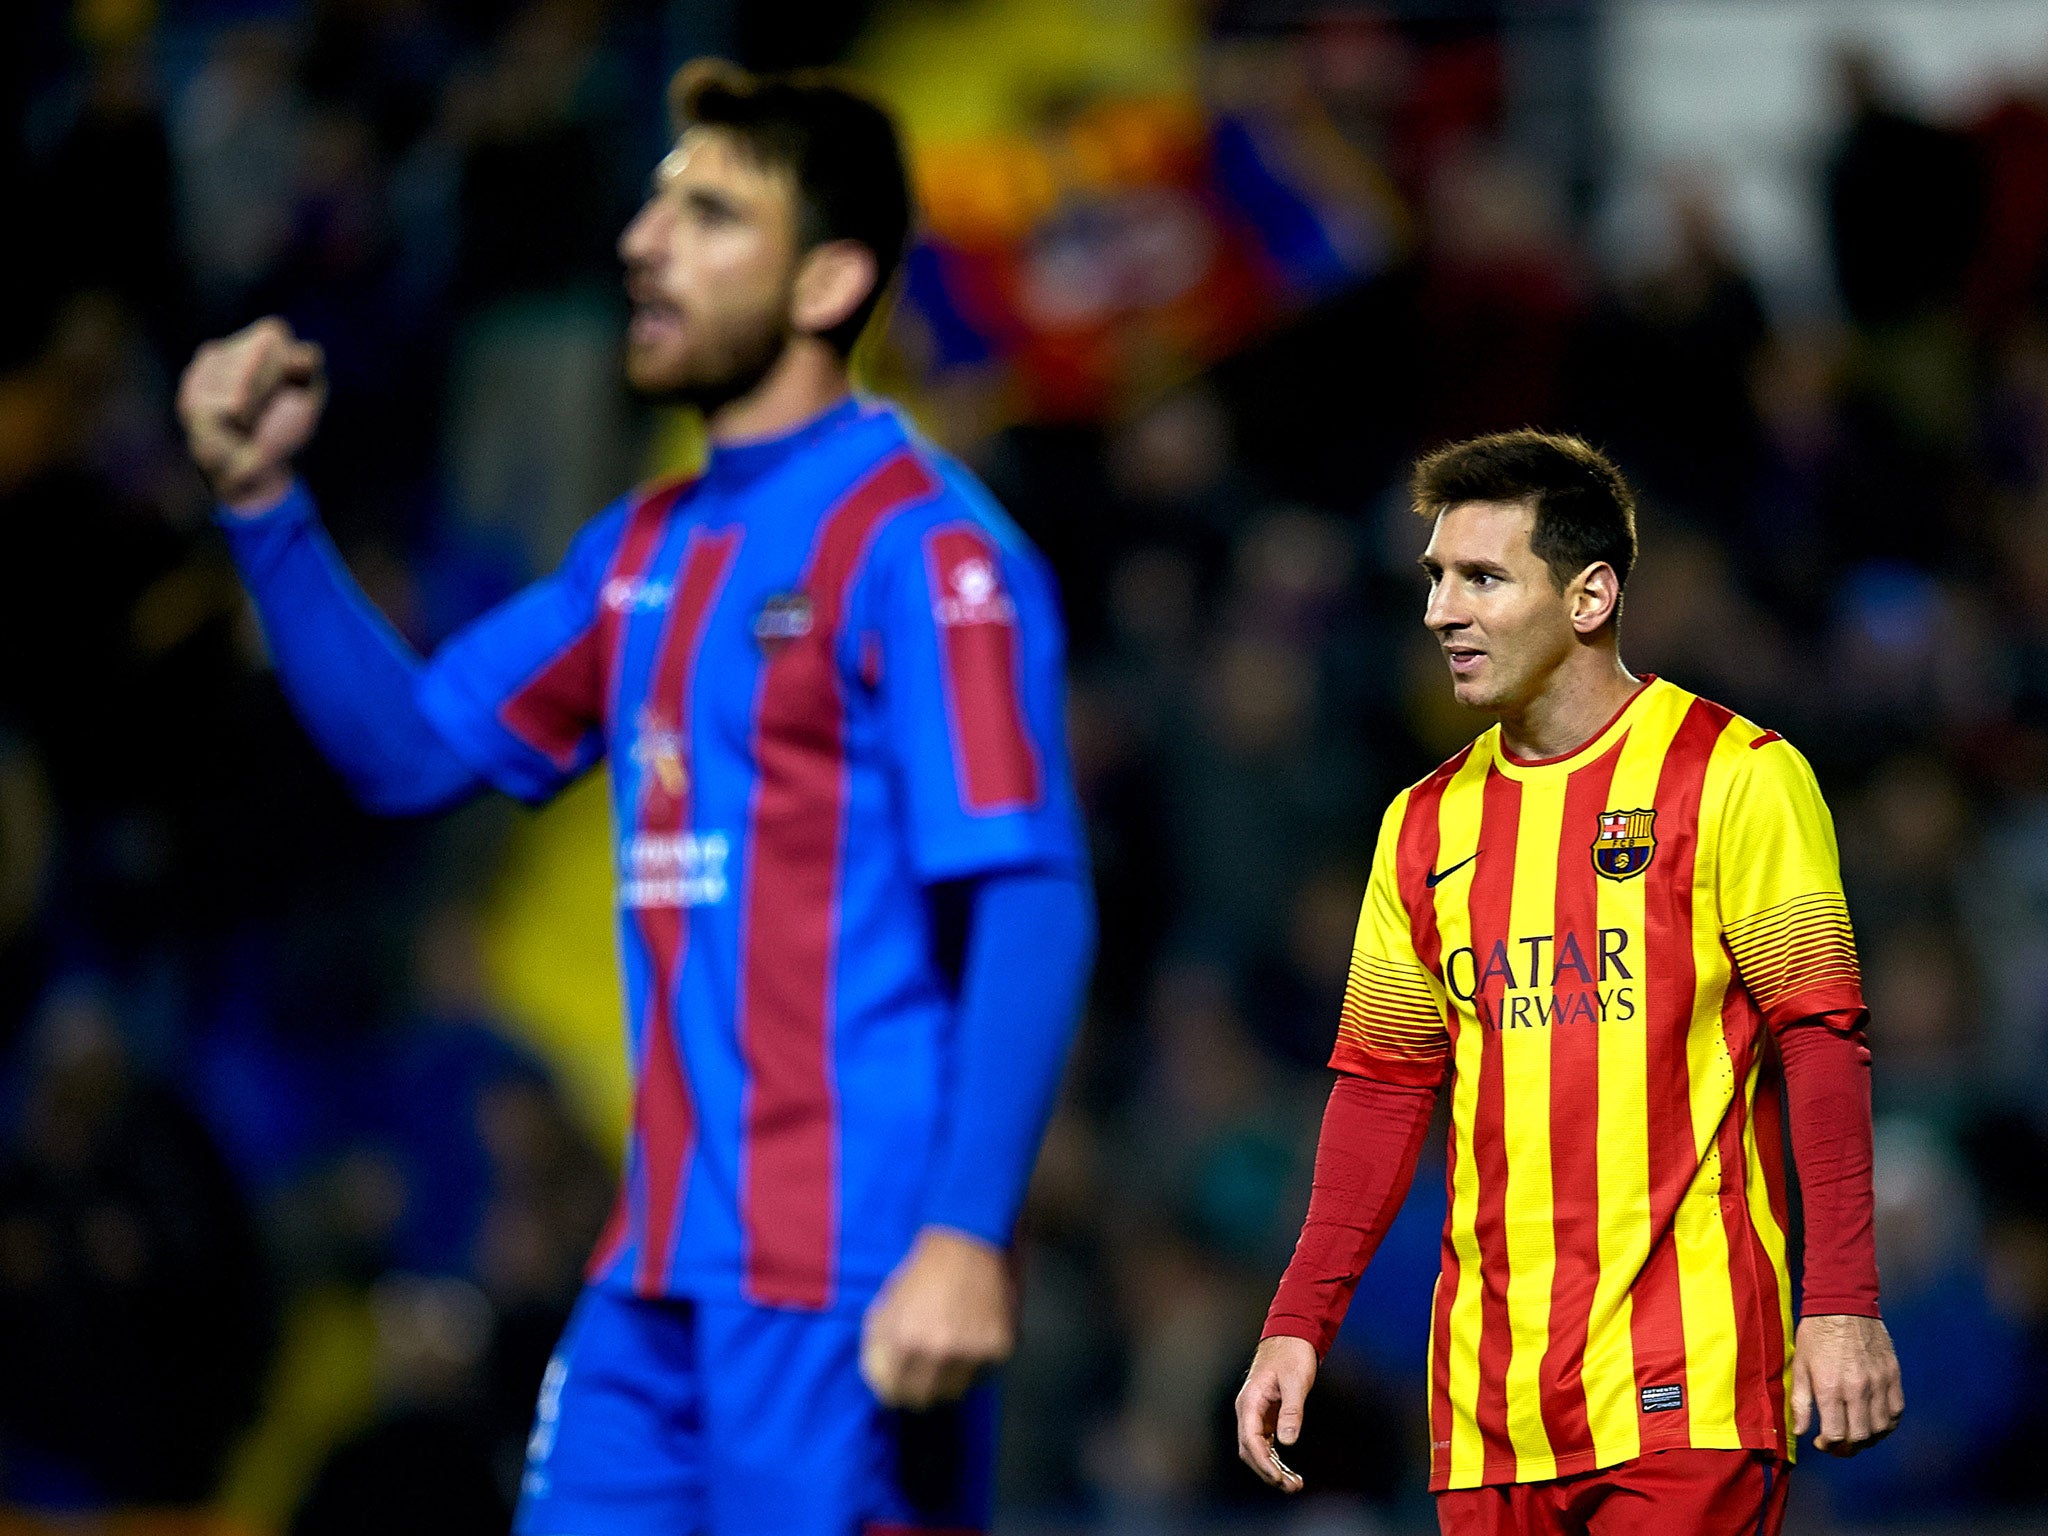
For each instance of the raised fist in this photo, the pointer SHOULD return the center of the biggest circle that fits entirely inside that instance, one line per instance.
(249, 403)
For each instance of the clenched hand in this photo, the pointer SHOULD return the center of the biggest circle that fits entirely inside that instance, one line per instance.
(1845, 1381)
(946, 1315)
(249, 403)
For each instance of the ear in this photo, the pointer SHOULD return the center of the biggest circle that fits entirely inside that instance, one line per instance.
(831, 282)
(1595, 596)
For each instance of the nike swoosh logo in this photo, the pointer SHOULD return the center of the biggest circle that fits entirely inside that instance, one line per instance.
(1438, 878)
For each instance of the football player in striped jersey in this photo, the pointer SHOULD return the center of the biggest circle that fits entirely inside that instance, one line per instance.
(826, 678)
(1613, 926)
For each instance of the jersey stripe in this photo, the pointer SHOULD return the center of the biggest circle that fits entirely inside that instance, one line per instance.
(1414, 860)
(662, 1111)
(1526, 1041)
(645, 533)
(1768, 1217)
(1734, 1035)
(560, 703)
(1755, 1295)
(789, 932)
(1575, 1100)
(1685, 1051)
(1631, 1299)
(1457, 825)
(1492, 895)
(995, 760)
(645, 525)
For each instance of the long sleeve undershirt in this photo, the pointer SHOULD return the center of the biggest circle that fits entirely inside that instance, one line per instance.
(1372, 1134)
(350, 677)
(1827, 1095)
(1030, 940)
(1365, 1161)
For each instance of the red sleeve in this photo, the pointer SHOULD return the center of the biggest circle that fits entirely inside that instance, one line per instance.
(1365, 1161)
(1827, 1091)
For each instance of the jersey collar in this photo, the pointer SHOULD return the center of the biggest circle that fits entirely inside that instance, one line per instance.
(1523, 767)
(732, 466)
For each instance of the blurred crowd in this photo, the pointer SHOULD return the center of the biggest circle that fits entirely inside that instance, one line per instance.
(308, 1123)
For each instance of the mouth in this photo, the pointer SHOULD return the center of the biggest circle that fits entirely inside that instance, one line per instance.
(655, 321)
(1464, 659)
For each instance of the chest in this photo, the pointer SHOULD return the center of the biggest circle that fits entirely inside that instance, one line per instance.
(1581, 911)
(735, 645)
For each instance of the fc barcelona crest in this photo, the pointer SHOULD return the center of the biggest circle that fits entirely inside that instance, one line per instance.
(1626, 843)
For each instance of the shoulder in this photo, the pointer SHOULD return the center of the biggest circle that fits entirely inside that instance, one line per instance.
(1742, 739)
(955, 513)
(1717, 724)
(1748, 764)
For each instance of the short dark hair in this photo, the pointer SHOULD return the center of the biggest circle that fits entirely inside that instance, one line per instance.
(841, 147)
(1585, 511)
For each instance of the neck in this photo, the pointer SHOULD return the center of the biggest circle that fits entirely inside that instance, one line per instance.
(1573, 707)
(808, 379)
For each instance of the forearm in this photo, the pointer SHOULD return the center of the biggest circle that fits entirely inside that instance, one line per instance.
(1365, 1160)
(1827, 1096)
(1030, 942)
(350, 677)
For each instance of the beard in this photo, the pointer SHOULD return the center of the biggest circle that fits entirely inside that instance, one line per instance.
(726, 368)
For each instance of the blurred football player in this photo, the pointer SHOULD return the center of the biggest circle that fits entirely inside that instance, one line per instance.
(1615, 925)
(826, 677)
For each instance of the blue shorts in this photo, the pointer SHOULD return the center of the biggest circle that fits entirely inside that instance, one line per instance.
(683, 1418)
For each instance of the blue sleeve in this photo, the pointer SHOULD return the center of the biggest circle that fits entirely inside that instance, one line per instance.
(972, 678)
(520, 692)
(351, 679)
(1030, 942)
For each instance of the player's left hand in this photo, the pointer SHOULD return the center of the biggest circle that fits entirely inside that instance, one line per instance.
(947, 1314)
(1846, 1378)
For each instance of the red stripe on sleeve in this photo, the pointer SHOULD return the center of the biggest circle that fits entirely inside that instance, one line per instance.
(789, 934)
(663, 1117)
(992, 751)
(1574, 1104)
(559, 704)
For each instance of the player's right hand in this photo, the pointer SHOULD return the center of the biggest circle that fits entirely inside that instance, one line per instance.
(1269, 1407)
(249, 403)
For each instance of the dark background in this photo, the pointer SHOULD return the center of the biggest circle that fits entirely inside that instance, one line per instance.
(306, 1121)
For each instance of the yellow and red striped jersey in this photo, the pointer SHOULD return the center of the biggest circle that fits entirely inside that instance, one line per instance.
(1591, 947)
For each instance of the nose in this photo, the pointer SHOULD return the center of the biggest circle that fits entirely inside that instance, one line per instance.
(1443, 613)
(641, 236)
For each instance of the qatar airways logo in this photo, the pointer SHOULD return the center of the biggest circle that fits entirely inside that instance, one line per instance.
(974, 595)
(1545, 980)
(674, 869)
(635, 594)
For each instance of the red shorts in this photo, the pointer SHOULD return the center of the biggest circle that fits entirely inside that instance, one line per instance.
(1701, 1493)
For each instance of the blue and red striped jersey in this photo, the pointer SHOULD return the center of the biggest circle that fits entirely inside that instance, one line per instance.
(825, 674)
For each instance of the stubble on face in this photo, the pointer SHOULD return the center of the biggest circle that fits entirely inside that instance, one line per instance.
(710, 272)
